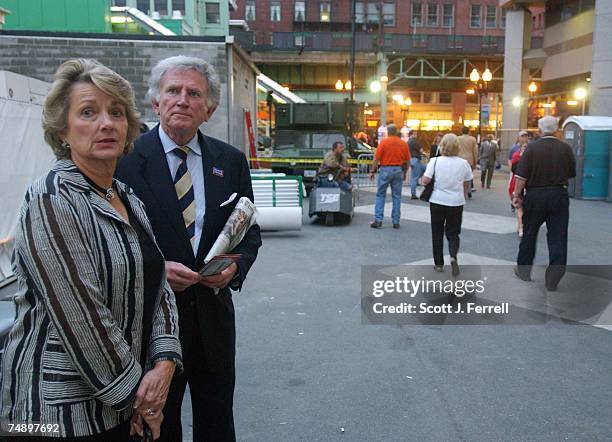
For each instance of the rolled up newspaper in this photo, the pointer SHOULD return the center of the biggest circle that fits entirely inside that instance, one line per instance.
(241, 219)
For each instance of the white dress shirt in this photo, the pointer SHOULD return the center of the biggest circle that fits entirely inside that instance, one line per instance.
(196, 169)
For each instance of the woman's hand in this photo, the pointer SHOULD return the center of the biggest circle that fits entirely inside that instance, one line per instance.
(153, 422)
(153, 391)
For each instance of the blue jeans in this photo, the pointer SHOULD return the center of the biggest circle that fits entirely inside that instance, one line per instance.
(393, 176)
(344, 185)
(416, 170)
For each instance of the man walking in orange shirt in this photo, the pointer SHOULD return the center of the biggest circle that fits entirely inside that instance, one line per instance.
(391, 160)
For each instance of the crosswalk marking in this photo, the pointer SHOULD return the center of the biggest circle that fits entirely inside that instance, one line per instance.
(481, 222)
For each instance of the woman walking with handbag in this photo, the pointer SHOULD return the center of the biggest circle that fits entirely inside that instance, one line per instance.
(448, 176)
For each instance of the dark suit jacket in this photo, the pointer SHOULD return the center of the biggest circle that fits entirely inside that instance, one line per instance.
(145, 169)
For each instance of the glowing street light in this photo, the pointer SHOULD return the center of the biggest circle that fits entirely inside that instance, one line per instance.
(532, 87)
(580, 93)
(474, 76)
(375, 86)
(487, 75)
(348, 85)
(339, 85)
(516, 101)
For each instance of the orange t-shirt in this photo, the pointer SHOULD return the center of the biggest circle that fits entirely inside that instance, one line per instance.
(392, 151)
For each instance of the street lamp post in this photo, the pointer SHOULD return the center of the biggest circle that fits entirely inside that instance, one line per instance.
(481, 84)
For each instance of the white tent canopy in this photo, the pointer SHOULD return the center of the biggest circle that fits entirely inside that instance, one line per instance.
(24, 153)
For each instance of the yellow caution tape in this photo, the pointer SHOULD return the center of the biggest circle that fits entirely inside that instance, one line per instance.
(293, 161)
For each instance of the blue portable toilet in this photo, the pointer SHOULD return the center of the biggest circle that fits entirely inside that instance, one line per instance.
(590, 138)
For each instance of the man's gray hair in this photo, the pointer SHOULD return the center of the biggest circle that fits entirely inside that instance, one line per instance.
(548, 124)
(391, 129)
(182, 62)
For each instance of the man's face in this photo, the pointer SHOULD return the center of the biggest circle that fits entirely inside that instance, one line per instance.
(413, 135)
(339, 149)
(182, 105)
(523, 139)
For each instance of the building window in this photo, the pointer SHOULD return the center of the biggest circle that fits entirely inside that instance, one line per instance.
(325, 12)
(448, 15)
(475, 17)
(213, 15)
(161, 6)
(371, 13)
(249, 10)
(502, 19)
(428, 97)
(445, 98)
(359, 13)
(491, 20)
(432, 14)
(298, 40)
(275, 11)
(178, 5)
(118, 2)
(389, 14)
(417, 14)
(143, 5)
(300, 11)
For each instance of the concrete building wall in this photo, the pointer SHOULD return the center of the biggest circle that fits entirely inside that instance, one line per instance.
(601, 78)
(569, 47)
(40, 56)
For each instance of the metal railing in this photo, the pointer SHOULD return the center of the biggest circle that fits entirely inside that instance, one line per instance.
(361, 179)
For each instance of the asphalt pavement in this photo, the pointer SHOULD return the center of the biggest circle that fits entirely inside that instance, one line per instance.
(308, 369)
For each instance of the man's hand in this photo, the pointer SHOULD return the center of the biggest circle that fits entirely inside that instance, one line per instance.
(220, 280)
(180, 277)
(372, 176)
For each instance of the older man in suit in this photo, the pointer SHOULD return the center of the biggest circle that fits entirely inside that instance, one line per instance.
(184, 177)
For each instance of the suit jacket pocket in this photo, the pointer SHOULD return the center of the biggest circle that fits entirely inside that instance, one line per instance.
(61, 383)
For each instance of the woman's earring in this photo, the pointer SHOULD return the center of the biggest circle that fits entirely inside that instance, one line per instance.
(65, 145)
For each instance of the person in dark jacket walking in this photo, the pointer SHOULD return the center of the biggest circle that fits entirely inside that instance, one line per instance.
(543, 171)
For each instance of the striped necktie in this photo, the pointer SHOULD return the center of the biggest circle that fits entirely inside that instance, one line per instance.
(184, 192)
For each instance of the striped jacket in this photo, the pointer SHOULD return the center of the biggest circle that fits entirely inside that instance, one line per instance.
(72, 356)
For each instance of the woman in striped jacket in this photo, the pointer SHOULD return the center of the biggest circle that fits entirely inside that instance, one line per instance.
(95, 341)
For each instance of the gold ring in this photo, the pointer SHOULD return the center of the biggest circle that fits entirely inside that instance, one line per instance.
(150, 412)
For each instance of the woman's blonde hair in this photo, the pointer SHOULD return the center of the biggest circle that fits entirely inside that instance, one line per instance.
(57, 102)
(449, 146)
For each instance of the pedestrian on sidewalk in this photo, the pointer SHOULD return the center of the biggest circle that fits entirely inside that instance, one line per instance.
(487, 156)
(416, 167)
(468, 150)
(543, 171)
(515, 159)
(523, 139)
(391, 160)
(434, 151)
(452, 175)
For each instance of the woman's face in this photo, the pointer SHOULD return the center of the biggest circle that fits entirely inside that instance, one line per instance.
(96, 126)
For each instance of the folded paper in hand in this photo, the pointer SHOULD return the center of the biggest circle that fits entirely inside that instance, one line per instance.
(218, 264)
(241, 219)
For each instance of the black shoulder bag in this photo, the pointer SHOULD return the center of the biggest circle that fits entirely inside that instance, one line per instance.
(428, 190)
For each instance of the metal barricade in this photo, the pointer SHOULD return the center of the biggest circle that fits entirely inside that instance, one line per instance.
(362, 178)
